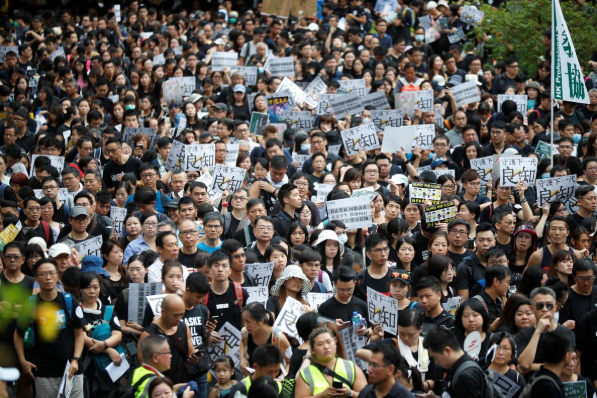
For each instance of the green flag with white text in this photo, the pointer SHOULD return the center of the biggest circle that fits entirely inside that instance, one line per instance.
(567, 80)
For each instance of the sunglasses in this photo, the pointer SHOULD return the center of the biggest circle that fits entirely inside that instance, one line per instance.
(539, 306)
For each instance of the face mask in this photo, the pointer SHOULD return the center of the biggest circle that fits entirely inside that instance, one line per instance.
(260, 69)
(545, 175)
(419, 38)
(576, 138)
(129, 107)
(232, 20)
(343, 238)
(366, 120)
(305, 147)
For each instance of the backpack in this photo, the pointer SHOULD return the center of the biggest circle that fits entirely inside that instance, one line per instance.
(128, 391)
(491, 390)
(29, 337)
(103, 332)
(528, 389)
(45, 226)
(238, 293)
(3, 187)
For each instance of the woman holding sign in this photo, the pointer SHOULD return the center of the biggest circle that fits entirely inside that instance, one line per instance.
(472, 317)
(328, 375)
(293, 283)
(568, 375)
(503, 349)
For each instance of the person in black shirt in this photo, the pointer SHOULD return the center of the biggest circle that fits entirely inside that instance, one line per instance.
(587, 203)
(429, 293)
(582, 296)
(384, 363)
(554, 360)
(458, 232)
(497, 284)
(119, 163)
(504, 222)
(188, 235)
(288, 195)
(238, 259)
(377, 276)
(310, 263)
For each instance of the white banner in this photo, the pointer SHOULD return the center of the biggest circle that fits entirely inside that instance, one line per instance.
(261, 272)
(352, 343)
(558, 188)
(90, 247)
(346, 104)
(221, 60)
(520, 100)
(360, 137)
(323, 105)
(130, 132)
(227, 177)
(384, 119)
(383, 309)
(514, 170)
(466, 93)
(353, 212)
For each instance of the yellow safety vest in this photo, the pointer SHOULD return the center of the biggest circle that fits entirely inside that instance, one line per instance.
(317, 381)
(247, 382)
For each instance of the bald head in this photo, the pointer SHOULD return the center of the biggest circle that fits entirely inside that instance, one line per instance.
(187, 224)
(172, 303)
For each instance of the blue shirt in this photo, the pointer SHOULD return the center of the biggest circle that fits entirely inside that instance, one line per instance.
(159, 206)
(136, 246)
(203, 247)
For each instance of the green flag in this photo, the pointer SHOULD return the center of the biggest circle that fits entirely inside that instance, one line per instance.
(567, 79)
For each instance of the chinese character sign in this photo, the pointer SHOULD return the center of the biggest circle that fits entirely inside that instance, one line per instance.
(298, 120)
(516, 169)
(471, 15)
(221, 60)
(176, 156)
(323, 104)
(197, 157)
(410, 101)
(295, 91)
(227, 177)
(316, 299)
(483, 166)
(276, 106)
(424, 134)
(383, 309)
(289, 314)
(466, 93)
(130, 132)
(282, 66)
(138, 293)
(520, 100)
(383, 119)
(360, 137)
(90, 247)
(230, 346)
(257, 294)
(172, 92)
(314, 90)
(261, 272)
(117, 215)
(558, 188)
(378, 100)
(348, 86)
(350, 104)
(353, 212)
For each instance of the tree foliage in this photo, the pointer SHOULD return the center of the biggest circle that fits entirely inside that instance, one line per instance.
(517, 29)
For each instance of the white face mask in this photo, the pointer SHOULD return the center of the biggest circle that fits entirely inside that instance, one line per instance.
(343, 238)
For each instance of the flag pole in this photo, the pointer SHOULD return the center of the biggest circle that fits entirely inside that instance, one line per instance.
(553, 45)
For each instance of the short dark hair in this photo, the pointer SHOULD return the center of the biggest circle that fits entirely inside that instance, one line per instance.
(499, 272)
(391, 354)
(374, 240)
(159, 239)
(437, 339)
(266, 355)
(197, 282)
(344, 274)
(583, 264)
(429, 282)
(554, 347)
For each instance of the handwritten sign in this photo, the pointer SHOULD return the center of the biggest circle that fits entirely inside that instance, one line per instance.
(249, 74)
(323, 104)
(360, 137)
(221, 60)
(483, 166)
(197, 157)
(350, 104)
(117, 215)
(56, 161)
(516, 169)
(257, 294)
(172, 92)
(352, 343)
(176, 156)
(230, 346)
(558, 188)
(298, 120)
(441, 213)
(295, 91)
(384, 119)
(227, 177)
(353, 212)
(316, 299)
(575, 389)
(187, 85)
(466, 93)
(424, 134)
(289, 315)
(261, 272)
(349, 86)
(232, 154)
(159, 59)
(313, 90)
(410, 101)
(419, 192)
(90, 247)
(300, 159)
(138, 293)
(383, 309)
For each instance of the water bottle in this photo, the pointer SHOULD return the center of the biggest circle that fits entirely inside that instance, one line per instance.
(356, 319)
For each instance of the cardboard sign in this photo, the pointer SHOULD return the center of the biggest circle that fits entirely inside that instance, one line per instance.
(159, 59)
(441, 213)
(350, 104)
(316, 299)
(282, 67)
(289, 315)
(323, 105)
(558, 188)
(298, 120)
(227, 177)
(261, 272)
(520, 100)
(410, 101)
(384, 119)
(466, 93)
(56, 161)
(471, 15)
(516, 169)
(322, 192)
(221, 60)
(187, 85)
(419, 192)
(276, 106)
(58, 52)
(349, 86)
(383, 309)
(249, 74)
(360, 137)
(196, 157)
(313, 90)
(398, 138)
(257, 294)
(424, 135)
(138, 293)
(117, 215)
(230, 346)
(258, 122)
(353, 212)
(484, 167)
(300, 159)
(90, 247)
(378, 100)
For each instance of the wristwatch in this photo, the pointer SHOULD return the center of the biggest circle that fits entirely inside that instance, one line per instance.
(78, 359)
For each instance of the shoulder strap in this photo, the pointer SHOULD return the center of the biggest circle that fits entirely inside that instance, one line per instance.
(141, 380)
(462, 368)
(331, 373)
(2, 189)
(93, 225)
(412, 305)
(238, 293)
(46, 228)
(108, 313)
(68, 299)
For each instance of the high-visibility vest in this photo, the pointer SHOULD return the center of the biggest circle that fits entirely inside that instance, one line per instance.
(317, 381)
(247, 382)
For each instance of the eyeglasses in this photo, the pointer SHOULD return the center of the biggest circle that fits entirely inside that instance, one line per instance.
(264, 229)
(46, 274)
(449, 186)
(65, 179)
(150, 175)
(221, 150)
(49, 187)
(301, 184)
(150, 224)
(213, 226)
(458, 232)
(111, 151)
(440, 145)
(316, 142)
(82, 219)
(241, 198)
(381, 250)
(371, 171)
(584, 278)
(504, 189)
(188, 232)
(11, 257)
(373, 365)
(345, 291)
(540, 306)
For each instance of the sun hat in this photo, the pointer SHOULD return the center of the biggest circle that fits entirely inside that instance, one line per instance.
(292, 271)
(328, 234)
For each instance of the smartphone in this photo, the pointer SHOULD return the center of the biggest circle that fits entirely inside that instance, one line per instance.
(214, 319)
(346, 323)
(337, 384)
(470, 244)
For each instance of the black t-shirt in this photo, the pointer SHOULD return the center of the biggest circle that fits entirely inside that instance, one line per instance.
(15, 294)
(226, 307)
(188, 260)
(39, 232)
(379, 285)
(178, 347)
(232, 227)
(296, 360)
(196, 319)
(112, 170)
(524, 336)
(334, 309)
(577, 305)
(444, 319)
(50, 357)
(586, 337)
(508, 247)
(458, 258)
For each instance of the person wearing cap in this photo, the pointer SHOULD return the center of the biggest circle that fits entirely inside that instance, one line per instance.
(172, 211)
(79, 220)
(239, 103)
(219, 111)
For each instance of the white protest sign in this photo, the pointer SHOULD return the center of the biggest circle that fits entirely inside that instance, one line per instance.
(456, 36)
(227, 177)
(346, 104)
(90, 247)
(176, 156)
(398, 139)
(466, 93)
(322, 191)
(137, 299)
(353, 212)
(410, 101)
(230, 346)
(484, 167)
(257, 294)
(295, 91)
(187, 85)
(516, 169)
(232, 154)
(155, 303)
(130, 132)
(520, 100)
(298, 120)
(221, 60)
(159, 59)
(261, 272)
(282, 66)
(117, 215)
(289, 315)
(348, 86)
(383, 309)
(313, 90)
(424, 136)
(471, 15)
(58, 52)
(384, 119)
(172, 92)
(249, 74)
(378, 100)
(199, 156)
(360, 137)
(56, 161)
(441, 172)
(316, 299)
(300, 159)
(352, 343)
(452, 304)
(558, 188)
(323, 105)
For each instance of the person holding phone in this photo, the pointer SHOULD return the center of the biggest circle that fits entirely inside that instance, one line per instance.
(383, 365)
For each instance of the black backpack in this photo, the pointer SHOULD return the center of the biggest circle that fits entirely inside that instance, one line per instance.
(128, 390)
(491, 390)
